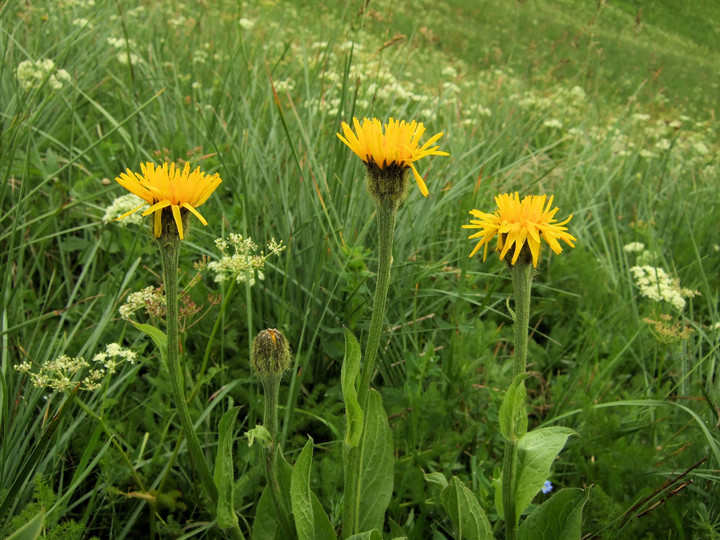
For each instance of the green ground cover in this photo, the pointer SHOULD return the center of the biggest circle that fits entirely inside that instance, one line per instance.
(611, 113)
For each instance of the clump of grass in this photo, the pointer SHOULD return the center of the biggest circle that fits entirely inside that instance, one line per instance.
(230, 88)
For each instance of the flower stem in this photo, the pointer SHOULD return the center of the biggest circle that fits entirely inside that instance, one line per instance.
(522, 274)
(170, 250)
(271, 386)
(386, 228)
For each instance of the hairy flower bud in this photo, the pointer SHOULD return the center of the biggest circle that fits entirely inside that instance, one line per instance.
(270, 353)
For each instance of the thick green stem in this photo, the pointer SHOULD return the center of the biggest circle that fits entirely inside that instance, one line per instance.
(271, 386)
(508, 479)
(170, 250)
(386, 229)
(522, 274)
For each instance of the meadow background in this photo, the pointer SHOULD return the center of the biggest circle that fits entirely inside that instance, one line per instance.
(611, 106)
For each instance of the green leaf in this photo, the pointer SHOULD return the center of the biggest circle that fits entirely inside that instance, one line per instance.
(536, 452)
(558, 518)
(497, 486)
(260, 433)
(513, 415)
(31, 530)
(323, 528)
(224, 475)
(348, 376)
(311, 521)
(436, 478)
(367, 535)
(266, 523)
(465, 511)
(158, 336)
(376, 463)
(300, 493)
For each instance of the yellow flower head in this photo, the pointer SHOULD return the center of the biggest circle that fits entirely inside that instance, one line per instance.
(167, 185)
(516, 223)
(398, 147)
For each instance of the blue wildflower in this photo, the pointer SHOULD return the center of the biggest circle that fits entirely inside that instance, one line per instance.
(547, 487)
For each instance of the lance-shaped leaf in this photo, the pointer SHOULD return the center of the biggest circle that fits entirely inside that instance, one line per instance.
(558, 518)
(536, 452)
(224, 475)
(311, 521)
(348, 376)
(375, 479)
(513, 415)
(465, 511)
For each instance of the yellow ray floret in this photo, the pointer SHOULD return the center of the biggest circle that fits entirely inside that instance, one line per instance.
(398, 145)
(516, 223)
(168, 186)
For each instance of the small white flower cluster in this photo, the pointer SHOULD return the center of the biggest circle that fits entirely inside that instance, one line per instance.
(246, 24)
(121, 47)
(285, 85)
(60, 374)
(82, 22)
(123, 205)
(70, 4)
(552, 123)
(242, 265)
(634, 247)
(149, 296)
(32, 74)
(654, 283)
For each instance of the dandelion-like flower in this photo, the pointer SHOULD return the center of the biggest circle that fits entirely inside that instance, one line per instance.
(391, 148)
(520, 223)
(168, 186)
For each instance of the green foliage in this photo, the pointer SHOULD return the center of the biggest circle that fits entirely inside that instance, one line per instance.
(537, 451)
(513, 416)
(31, 530)
(560, 517)
(609, 111)
(465, 511)
(311, 521)
(376, 459)
(224, 474)
(348, 377)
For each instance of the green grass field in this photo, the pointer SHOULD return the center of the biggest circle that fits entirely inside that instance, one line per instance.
(610, 109)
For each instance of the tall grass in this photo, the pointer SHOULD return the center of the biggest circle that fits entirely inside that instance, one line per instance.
(228, 86)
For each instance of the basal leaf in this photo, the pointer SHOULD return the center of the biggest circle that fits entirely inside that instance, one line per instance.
(224, 474)
(31, 530)
(367, 535)
(300, 494)
(465, 511)
(536, 452)
(375, 481)
(558, 518)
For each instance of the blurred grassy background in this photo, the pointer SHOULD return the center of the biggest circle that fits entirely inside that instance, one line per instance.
(614, 115)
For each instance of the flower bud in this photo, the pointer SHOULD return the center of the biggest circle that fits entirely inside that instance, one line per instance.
(270, 353)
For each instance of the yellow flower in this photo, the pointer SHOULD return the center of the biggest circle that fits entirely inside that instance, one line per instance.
(399, 146)
(516, 222)
(168, 186)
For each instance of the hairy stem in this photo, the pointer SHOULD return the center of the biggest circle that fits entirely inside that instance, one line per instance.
(386, 229)
(170, 250)
(522, 274)
(271, 386)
